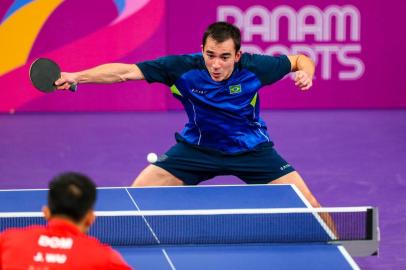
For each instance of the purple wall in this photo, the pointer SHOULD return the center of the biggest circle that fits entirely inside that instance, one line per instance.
(355, 43)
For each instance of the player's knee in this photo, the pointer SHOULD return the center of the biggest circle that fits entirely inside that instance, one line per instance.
(313, 202)
(156, 176)
(138, 182)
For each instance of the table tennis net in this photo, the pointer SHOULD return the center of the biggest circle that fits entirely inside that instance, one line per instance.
(220, 226)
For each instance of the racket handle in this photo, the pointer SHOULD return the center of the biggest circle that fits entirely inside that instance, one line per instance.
(73, 88)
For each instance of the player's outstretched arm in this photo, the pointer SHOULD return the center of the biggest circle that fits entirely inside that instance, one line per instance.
(106, 73)
(304, 68)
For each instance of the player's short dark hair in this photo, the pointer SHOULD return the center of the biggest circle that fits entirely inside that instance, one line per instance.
(221, 31)
(72, 195)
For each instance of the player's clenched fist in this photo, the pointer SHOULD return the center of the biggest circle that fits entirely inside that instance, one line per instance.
(303, 80)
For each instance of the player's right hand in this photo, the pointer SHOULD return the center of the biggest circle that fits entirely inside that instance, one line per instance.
(66, 81)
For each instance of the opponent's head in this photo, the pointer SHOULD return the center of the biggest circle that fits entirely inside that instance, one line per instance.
(72, 195)
(221, 49)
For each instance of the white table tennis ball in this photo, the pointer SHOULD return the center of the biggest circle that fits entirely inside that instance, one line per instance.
(152, 157)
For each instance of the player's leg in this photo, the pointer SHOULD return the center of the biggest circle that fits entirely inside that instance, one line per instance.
(264, 165)
(180, 165)
(295, 179)
(155, 176)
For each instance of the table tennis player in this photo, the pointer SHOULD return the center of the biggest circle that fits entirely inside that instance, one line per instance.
(62, 243)
(218, 88)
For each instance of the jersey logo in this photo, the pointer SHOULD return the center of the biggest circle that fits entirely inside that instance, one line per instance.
(55, 242)
(235, 89)
(200, 92)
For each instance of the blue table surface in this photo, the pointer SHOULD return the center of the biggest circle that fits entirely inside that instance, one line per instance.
(250, 256)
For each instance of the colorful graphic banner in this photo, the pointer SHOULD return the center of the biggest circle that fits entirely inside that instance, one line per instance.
(77, 37)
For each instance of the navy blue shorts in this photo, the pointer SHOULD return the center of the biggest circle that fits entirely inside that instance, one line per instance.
(193, 164)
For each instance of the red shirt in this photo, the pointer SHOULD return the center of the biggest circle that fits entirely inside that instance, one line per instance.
(59, 245)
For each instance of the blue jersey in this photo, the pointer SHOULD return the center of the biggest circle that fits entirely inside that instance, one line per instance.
(222, 115)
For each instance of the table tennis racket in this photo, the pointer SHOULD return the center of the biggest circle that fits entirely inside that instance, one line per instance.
(43, 74)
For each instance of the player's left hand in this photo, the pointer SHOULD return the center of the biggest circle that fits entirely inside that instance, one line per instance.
(303, 80)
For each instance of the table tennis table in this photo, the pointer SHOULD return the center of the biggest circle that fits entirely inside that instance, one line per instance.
(203, 256)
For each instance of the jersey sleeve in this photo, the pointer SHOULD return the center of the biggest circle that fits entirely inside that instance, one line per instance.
(116, 261)
(166, 69)
(1, 248)
(269, 69)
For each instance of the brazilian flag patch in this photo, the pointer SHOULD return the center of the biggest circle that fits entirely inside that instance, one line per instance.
(235, 89)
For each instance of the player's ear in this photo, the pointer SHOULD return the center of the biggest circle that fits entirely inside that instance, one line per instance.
(238, 56)
(90, 218)
(87, 221)
(47, 212)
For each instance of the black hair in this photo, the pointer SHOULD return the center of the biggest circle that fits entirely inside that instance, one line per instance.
(221, 31)
(72, 195)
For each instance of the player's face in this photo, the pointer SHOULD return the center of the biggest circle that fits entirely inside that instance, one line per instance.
(220, 58)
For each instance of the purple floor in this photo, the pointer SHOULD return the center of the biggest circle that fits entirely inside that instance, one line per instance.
(348, 158)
